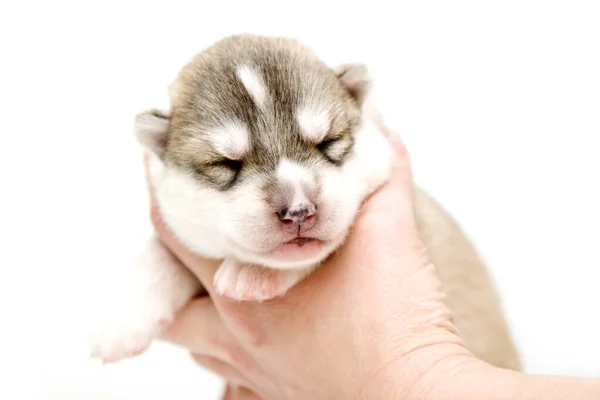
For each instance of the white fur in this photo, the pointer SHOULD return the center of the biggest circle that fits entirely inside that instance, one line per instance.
(298, 177)
(253, 83)
(230, 139)
(238, 223)
(154, 287)
(314, 122)
(239, 227)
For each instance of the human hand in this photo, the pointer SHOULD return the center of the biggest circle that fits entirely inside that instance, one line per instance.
(369, 322)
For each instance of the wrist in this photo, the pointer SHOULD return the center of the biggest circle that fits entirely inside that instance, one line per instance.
(467, 378)
(422, 374)
(449, 372)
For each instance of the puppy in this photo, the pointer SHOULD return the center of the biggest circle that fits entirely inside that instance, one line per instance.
(263, 161)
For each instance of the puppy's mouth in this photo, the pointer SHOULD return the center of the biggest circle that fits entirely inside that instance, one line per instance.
(292, 253)
(297, 249)
(301, 241)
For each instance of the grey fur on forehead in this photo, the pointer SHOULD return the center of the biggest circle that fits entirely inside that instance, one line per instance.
(290, 70)
(208, 93)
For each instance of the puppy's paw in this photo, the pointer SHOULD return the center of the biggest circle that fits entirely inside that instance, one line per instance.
(130, 333)
(142, 305)
(253, 283)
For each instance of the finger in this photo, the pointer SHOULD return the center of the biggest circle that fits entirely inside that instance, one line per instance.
(401, 159)
(203, 268)
(233, 392)
(391, 207)
(241, 393)
(401, 166)
(198, 327)
(222, 369)
(396, 194)
(147, 168)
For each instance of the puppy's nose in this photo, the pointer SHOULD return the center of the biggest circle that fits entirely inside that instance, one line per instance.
(298, 216)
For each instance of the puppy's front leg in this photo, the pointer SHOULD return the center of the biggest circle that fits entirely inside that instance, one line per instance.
(254, 283)
(155, 287)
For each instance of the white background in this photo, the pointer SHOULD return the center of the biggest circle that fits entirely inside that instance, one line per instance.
(499, 103)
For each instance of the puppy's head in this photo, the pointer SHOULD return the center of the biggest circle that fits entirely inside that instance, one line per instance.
(261, 151)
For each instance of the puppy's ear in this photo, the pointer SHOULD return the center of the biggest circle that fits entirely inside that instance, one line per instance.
(357, 81)
(151, 130)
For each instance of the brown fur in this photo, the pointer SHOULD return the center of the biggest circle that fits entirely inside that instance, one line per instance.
(471, 293)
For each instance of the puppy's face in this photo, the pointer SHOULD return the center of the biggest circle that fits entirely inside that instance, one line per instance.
(261, 153)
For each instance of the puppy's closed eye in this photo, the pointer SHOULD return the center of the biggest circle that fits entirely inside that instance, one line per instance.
(234, 165)
(334, 149)
(222, 172)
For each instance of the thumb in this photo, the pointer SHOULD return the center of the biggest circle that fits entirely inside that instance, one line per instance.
(401, 167)
(395, 198)
(401, 176)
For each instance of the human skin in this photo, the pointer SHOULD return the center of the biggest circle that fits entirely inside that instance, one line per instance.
(370, 323)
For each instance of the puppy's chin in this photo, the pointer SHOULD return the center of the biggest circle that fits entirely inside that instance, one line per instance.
(293, 255)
